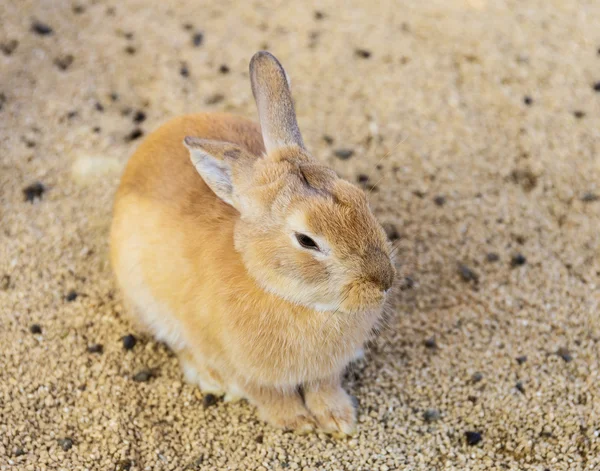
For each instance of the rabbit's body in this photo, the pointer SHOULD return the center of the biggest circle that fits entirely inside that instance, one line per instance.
(197, 275)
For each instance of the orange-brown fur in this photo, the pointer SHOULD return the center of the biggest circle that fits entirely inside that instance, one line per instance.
(225, 286)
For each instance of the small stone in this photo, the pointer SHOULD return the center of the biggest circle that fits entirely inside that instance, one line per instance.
(133, 135)
(41, 28)
(522, 359)
(439, 200)
(130, 50)
(343, 154)
(362, 178)
(518, 260)
(223, 69)
(565, 354)
(259, 439)
(596, 87)
(129, 342)
(209, 400)
(78, 9)
(492, 257)
(430, 343)
(99, 106)
(391, 231)
(114, 96)
(19, 452)
(214, 99)
(71, 296)
(197, 39)
(97, 129)
(528, 100)
(64, 62)
(579, 114)
(431, 415)
(467, 274)
(589, 197)
(9, 47)
(96, 348)
(35, 329)
(65, 443)
(143, 376)
(473, 438)
(33, 191)
(5, 282)
(124, 465)
(520, 387)
(362, 53)
(319, 15)
(188, 26)
(477, 377)
(139, 117)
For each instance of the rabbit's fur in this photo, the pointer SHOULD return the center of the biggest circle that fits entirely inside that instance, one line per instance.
(208, 247)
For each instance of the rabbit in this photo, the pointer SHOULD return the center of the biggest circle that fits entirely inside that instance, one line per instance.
(261, 269)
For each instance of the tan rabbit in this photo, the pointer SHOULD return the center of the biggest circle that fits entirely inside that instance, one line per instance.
(255, 263)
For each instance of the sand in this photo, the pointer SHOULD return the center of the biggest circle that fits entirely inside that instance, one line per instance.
(476, 121)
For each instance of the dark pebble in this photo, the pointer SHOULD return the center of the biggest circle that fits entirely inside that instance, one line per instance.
(65, 443)
(35, 329)
(128, 36)
(114, 96)
(139, 117)
(97, 129)
(197, 39)
(96, 348)
(431, 415)
(72, 114)
(19, 452)
(223, 69)
(522, 359)
(64, 62)
(430, 343)
(467, 274)
(124, 465)
(492, 257)
(477, 377)
(9, 47)
(439, 200)
(528, 100)
(78, 9)
(130, 50)
(214, 99)
(188, 26)
(33, 191)
(565, 354)
(362, 53)
(343, 154)
(209, 400)
(184, 71)
(520, 387)
(589, 197)
(5, 282)
(99, 106)
(71, 296)
(518, 260)
(596, 87)
(41, 28)
(391, 231)
(143, 376)
(473, 438)
(472, 399)
(579, 114)
(259, 439)
(319, 15)
(129, 342)
(133, 135)
(328, 139)
(362, 178)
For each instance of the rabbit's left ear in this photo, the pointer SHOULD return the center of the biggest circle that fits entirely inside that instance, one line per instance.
(271, 89)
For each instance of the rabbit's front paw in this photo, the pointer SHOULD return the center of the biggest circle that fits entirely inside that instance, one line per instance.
(283, 410)
(333, 410)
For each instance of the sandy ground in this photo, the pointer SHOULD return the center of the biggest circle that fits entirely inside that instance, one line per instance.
(476, 120)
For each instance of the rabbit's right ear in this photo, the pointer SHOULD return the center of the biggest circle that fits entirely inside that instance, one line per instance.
(270, 86)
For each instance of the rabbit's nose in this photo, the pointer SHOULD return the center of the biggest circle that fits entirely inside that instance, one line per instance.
(380, 270)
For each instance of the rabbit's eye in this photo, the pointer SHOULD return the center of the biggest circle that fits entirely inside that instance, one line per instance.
(306, 242)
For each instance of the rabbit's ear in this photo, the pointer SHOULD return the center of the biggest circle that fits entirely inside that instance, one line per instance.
(214, 161)
(270, 86)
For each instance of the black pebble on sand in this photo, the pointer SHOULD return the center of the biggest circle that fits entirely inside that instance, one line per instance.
(71, 296)
(319, 15)
(64, 62)
(477, 377)
(589, 197)
(33, 191)
(41, 28)
(362, 53)
(184, 71)
(96, 348)
(129, 342)
(133, 135)
(430, 343)
(343, 154)
(19, 452)
(224, 69)
(520, 387)
(65, 443)
(467, 274)
(596, 87)
(362, 178)
(35, 329)
(197, 39)
(259, 439)
(139, 117)
(9, 46)
(522, 359)
(143, 376)
(579, 114)
(431, 415)
(439, 200)
(473, 438)
(528, 100)
(565, 354)
(124, 465)
(99, 106)
(328, 139)
(518, 260)
(209, 400)
(492, 257)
